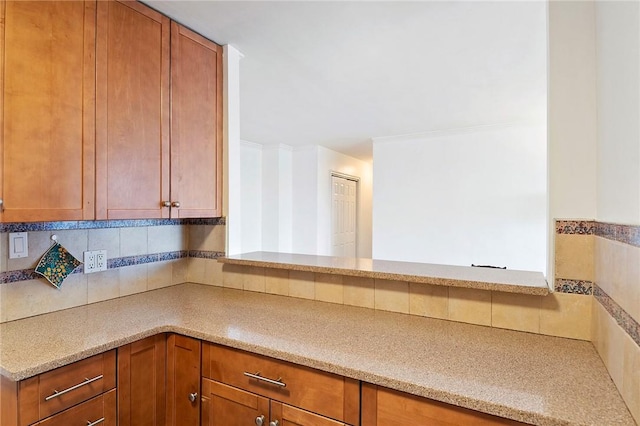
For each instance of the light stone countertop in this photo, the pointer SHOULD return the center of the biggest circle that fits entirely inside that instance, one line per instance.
(527, 377)
(506, 280)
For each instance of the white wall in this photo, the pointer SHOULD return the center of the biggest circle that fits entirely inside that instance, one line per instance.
(461, 197)
(277, 197)
(251, 196)
(618, 103)
(331, 161)
(305, 200)
(231, 198)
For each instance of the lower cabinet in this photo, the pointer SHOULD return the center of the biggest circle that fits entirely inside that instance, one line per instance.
(386, 407)
(141, 382)
(100, 410)
(239, 385)
(183, 381)
(224, 405)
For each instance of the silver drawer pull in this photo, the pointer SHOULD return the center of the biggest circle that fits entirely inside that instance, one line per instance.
(79, 385)
(257, 376)
(97, 422)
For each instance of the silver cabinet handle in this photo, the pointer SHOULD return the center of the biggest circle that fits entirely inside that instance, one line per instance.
(257, 376)
(166, 204)
(97, 422)
(274, 423)
(74, 387)
(193, 396)
(176, 204)
(259, 420)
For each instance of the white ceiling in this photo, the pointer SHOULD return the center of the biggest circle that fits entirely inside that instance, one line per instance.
(339, 73)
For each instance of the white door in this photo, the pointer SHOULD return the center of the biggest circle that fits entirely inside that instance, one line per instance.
(343, 217)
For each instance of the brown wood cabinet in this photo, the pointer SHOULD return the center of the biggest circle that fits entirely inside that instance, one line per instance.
(386, 407)
(47, 394)
(142, 382)
(196, 124)
(100, 410)
(159, 138)
(224, 405)
(327, 395)
(132, 111)
(183, 381)
(47, 110)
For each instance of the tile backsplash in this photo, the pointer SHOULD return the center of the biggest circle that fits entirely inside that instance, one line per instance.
(142, 255)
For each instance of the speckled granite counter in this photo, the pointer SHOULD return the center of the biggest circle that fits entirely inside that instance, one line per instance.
(510, 281)
(532, 378)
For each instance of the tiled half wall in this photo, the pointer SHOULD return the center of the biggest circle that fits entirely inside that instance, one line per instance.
(603, 259)
(142, 255)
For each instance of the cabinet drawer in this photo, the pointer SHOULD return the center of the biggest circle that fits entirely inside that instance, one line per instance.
(323, 393)
(54, 391)
(100, 410)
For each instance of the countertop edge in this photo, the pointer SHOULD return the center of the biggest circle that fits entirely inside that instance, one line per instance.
(328, 367)
(440, 281)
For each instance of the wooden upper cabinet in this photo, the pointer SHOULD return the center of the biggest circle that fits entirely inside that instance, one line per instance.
(47, 76)
(132, 111)
(196, 124)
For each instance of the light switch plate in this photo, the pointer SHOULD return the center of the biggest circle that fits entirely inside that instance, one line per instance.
(18, 245)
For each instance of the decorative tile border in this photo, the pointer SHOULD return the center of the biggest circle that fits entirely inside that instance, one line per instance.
(202, 254)
(563, 285)
(581, 227)
(624, 320)
(96, 224)
(118, 262)
(628, 234)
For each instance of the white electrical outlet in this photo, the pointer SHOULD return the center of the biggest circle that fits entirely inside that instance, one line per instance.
(95, 261)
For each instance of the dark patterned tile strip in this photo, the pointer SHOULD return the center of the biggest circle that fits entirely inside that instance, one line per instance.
(581, 227)
(624, 320)
(202, 254)
(628, 234)
(95, 224)
(119, 262)
(574, 286)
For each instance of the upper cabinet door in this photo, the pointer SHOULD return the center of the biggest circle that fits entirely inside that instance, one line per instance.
(132, 111)
(47, 98)
(196, 124)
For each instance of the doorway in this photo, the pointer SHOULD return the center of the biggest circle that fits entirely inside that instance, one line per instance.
(344, 208)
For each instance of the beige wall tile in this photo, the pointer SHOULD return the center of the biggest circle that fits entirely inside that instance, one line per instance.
(631, 291)
(4, 251)
(392, 296)
(515, 311)
(302, 284)
(429, 300)
(75, 241)
(105, 239)
(599, 329)
(161, 239)
(133, 279)
(38, 243)
(277, 281)
(133, 241)
(253, 279)
(470, 305)
(358, 291)
(196, 270)
(574, 257)
(232, 276)
(329, 288)
(159, 275)
(604, 264)
(35, 297)
(103, 285)
(179, 270)
(566, 315)
(631, 377)
(207, 237)
(213, 272)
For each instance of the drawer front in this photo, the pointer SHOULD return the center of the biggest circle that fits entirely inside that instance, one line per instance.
(299, 386)
(99, 411)
(56, 390)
